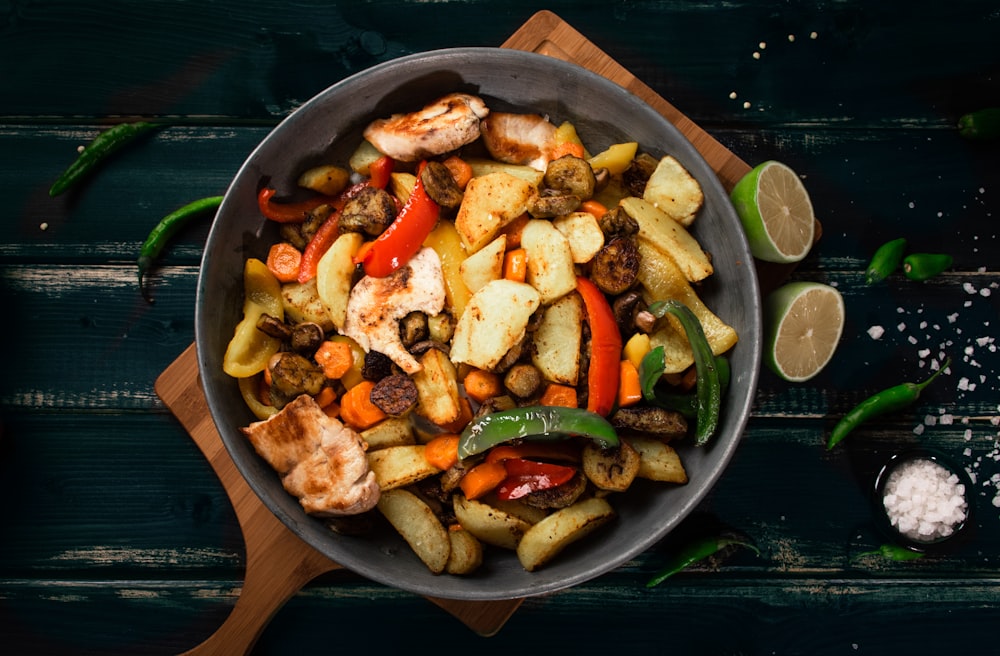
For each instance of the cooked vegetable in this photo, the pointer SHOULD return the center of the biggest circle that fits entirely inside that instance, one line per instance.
(166, 228)
(399, 466)
(615, 267)
(250, 349)
(294, 212)
(674, 191)
(395, 395)
(442, 451)
(893, 552)
(885, 261)
(534, 422)
(370, 212)
(605, 349)
(283, 260)
(357, 409)
(482, 478)
(611, 470)
(665, 424)
(98, 151)
(550, 536)
(888, 400)
(419, 526)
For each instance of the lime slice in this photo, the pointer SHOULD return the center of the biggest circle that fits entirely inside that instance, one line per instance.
(804, 321)
(776, 212)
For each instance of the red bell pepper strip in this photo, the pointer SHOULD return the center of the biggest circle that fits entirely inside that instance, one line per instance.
(380, 170)
(404, 236)
(293, 212)
(527, 476)
(317, 247)
(564, 450)
(605, 349)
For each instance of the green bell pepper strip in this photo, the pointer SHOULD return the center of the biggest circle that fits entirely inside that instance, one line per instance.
(709, 388)
(696, 551)
(102, 147)
(885, 261)
(888, 400)
(165, 230)
(650, 371)
(534, 422)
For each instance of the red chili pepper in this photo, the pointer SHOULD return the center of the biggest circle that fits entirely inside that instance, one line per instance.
(402, 239)
(605, 349)
(317, 247)
(527, 476)
(292, 212)
(380, 170)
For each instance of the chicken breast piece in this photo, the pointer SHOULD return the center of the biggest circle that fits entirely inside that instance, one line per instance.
(446, 124)
(321, 461)
(376, 305)
(525, 139)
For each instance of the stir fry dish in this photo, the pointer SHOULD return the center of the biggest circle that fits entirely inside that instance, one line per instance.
(481, 332)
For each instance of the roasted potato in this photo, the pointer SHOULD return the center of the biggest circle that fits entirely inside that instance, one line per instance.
(658, 461)
(481, 167)
(334, 275)
(399, 466)
(557, 341)
(419, 526)
(491, 202)
(485, 265)
(326, 179)
(550, 263)
(393, 431)
(495, 319)
(302, 303)
(550, 536)
(615, 158)
(489, 524)
(670, 237)
(672, 189)
(466, 552)
(437, 388)
(583, 233)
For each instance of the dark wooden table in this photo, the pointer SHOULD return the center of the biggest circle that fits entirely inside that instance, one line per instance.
(118, 538)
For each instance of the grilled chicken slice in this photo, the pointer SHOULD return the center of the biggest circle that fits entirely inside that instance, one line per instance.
(525, 139)
(376, 306)
(320, 461)
(444, 125)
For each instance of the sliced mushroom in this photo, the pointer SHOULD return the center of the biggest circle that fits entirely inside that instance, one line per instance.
(293, 374)
(369, 212)
(546, 205)
(523, 380)
(274, 327)
(615, 268)
(572, 176)
(560, 496)
(440, 185)
(638, 172)
(612, 470)
(306, 337)
(617, 222)
(660, 422)
(395, 395)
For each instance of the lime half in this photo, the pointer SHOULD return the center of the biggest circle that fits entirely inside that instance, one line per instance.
(776, 212)
(803, 323)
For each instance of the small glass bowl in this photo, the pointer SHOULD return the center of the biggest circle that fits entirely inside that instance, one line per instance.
(885, 524)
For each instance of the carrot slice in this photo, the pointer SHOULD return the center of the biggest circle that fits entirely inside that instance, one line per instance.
(482, 478)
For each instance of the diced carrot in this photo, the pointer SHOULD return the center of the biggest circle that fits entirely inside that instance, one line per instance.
(332, 410)
(335, 358)
(442, 451)
(567, 451)
(463, 418)
(325, 397)
(482, 478)
(594, 208)
(482, 385)
(283, 261)
(460, 170)
(559, 395)
(567, 148)
(362, 253)
(629, 389)
(515, 265)
(514, 229)
(357, 409)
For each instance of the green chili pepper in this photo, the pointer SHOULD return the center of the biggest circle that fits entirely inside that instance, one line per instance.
(534, 422)
(696, 551)
(166, 228)
(98, 150)
(981, 125)
(893, 552)
(650, 371)
(888, 400)
(885, 261)
(709, 389)
(922, 266)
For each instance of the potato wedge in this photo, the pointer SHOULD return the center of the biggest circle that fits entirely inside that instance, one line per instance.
(550, 263)
(612, 470)
(557, 341)
(491, 202)
(662, 279)
(489, 524)
(672, 189)
(363, 156)
(399, 466)
(583, 233)
(401, 185)
(658, 461)
(327, 179)
(415, 521)
(393, 431)
(334, 274)
(481, 167)
(437, 388)
(495, 319)
(518, 508)
(485, 265)
(466, 552)
(670, 237)
(615, 158)
(550, 536)
(302, 303)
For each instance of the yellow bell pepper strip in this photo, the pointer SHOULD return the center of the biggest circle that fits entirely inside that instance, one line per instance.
(534, 423)
(101, 148)
(605, 348)
(404, 236)
(250, 349)
(527, 476)
(709, 389)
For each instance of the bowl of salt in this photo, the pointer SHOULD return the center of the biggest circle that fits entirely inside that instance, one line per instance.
(923, 499)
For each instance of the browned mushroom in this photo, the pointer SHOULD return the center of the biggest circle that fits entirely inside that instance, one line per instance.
(615, 268)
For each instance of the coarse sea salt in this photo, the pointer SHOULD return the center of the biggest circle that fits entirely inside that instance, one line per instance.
(924, 500)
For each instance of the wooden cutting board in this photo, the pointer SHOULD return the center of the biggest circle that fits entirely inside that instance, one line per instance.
(279, 563)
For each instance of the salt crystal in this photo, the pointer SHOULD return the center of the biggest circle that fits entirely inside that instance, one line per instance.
(901, 327)
(876, 332)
